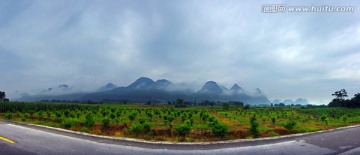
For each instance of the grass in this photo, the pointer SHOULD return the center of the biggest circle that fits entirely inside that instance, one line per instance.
(160, 123)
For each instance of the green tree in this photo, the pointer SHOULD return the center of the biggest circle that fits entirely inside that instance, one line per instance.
(132, 116)
(339, 100)
(105, 123)
(254, 127)
(2, 95)
(185, 128)
(218, 129)
(136, 129)
(290, 125)
(273, 120)
(340, 94)
(226, 106)
(142, 120)
(89, 120)
(146, 127)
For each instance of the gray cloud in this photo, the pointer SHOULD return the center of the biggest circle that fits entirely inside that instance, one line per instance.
(86, 44)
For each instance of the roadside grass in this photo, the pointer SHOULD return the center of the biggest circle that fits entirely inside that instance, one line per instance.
(159, 123)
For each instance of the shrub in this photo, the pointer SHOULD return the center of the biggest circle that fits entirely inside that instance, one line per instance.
(290, 125)
(254, 127)
(170, 118)
(146, 127)
(185, 128)
(40, 116)
(136, 129)
(23, 119)
(273, 120)
(218, 129)
(89, 120)
(344, 119)
(212, 119)
(26, 116)
(48, 113)
(67, 124)
(204, 116)
(67, 113)
(117, 120)
(247, 106)
(132, 116)
(141, 120)
(105, 123)
(226, 106)
(8, 115)
(323, 117)
(58, 114)
(112, 116)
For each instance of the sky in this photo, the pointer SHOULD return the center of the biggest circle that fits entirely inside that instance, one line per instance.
(88, 43)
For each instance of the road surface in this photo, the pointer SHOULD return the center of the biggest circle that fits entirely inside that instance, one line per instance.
(39, 140)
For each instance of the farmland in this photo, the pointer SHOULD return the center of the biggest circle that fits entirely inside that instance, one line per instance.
(191, 124)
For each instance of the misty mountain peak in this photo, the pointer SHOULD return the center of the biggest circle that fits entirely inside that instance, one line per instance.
(107, 87)
(211, 87)
(236, 88)
(288, 101)
(301, 101)
(64, 87)
(163, 81)
(161, 84)
(142, 82)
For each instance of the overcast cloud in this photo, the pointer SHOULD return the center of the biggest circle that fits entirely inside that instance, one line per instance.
(86, 44)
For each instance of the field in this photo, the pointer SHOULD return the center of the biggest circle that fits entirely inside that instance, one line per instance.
(166, 123)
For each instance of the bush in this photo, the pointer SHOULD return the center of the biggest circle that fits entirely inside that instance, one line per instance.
(226, 106)
(344, 118)
(26, 116)
(146, 127)
(89, 120)
(185, 128)
(67, 124)
(323, 117)
(40, 116)
(48, 113)
(105, 123)
(67, 113)
(8, 115)
(273, 120)
(112, 116)
(170, 118)
(219, 129)
(247, 106)
(58, 114)
(132, 116)
(254, 127)
(136, 129)
(141, 120)
(290, 125)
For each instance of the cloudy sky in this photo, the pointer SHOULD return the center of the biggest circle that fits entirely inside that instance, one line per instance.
(88, 43)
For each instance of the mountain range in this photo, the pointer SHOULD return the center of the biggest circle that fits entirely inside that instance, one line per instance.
(299, 101)
(161, 91)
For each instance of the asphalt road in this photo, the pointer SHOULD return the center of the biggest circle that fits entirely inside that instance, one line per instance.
(38, 140)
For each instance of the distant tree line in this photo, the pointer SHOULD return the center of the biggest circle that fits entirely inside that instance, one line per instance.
(340, 101)
(3, 97)
(181, 103)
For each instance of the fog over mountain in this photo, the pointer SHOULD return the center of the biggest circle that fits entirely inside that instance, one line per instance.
(86, 44)
(145, 89)
(107, 87)
(299, 101)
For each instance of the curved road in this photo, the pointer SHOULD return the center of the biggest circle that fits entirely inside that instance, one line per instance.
(40, 140)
